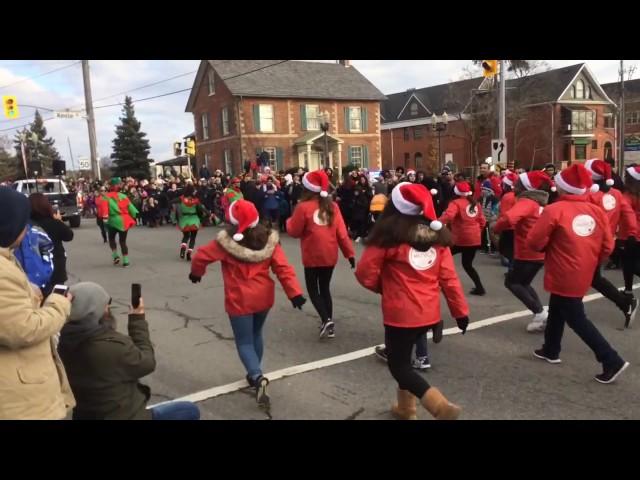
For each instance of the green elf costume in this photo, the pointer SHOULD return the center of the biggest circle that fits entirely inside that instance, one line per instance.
(118, 214)
(189, 212)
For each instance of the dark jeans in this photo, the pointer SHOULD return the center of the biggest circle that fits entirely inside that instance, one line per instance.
(606, 288)
(318, 280)
(571, 311)
(103, 230)
(190, 237)
(468, 254)
(247, 333)
(399, 345)
(519, 280)
(630, 264)
(421, 346)
(176, 411)
(273, 215)
(122, 237)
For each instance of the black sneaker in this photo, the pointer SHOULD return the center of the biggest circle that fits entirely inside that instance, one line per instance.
(261, 391)
(437, 332)
(331, 331)
(540, 354)
(381, 352)
(630, 314)
(189, 255)
(183, 250)
(610, 374)
(478, 291)
(324, 328)
(249, 380)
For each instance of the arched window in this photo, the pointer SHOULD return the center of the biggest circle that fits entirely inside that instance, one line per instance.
(580, 89)
(414, 109)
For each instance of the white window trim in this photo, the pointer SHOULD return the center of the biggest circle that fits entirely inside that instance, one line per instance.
(316, 118)
(225, 121)
(227, 166)
(262, 129)
(359, 148)
(207, 159)
(211, 85)
(351, 129)
(204, 120)
(273, 158)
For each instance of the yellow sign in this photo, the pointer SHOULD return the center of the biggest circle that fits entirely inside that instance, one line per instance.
(191, 148)
(489, 68)
(10, 107)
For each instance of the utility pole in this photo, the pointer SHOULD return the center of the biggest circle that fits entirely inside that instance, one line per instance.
(501, 104)
(73, 165)
(90, 119)
(622, 118)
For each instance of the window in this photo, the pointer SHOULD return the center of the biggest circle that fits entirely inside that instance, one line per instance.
(212, 85)
(205, 126)
(273, 164)
(356, 156)
(266, 118)
(355, 119)
(589, 92)
(418, 160)
(582, 120)
(633, 118)
(608, 151)
(407, 156)
(573, 91)
(594, 144)
(417, 133)
(406, 134)
(414, 109)
(581, 152)
(608, 120)
(225, 121)
(207, 159)
(228, 162)
(313, 117)
(579, 89)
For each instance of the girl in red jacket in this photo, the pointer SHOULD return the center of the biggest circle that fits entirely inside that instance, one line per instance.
(631, 256)
(532, 191)
(508, 200)
(575, 236)
(620, 215)
(467, 222)
(317, 221)
(408, 262)
(247, 252)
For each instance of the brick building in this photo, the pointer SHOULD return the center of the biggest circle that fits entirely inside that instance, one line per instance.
(632, 114)
(559, 116)
(243, 107)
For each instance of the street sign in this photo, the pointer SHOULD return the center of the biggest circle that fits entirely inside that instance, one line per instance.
(85, 163)
(499, 150)
(70, 114)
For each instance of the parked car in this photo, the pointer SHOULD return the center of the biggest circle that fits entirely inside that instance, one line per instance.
(58, 195)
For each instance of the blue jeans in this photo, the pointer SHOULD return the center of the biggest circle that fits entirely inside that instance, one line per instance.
(176, 411)
(421, 346)
(247, 331)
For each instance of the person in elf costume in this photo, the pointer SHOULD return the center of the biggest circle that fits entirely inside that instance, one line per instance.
(189, 212)
(118, 214)
(230, 195)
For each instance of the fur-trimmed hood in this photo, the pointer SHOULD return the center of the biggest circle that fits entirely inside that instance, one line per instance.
(423, 237)
(245, 254)
(539, 196)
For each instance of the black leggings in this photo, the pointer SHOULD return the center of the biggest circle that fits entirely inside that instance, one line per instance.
(608, 290)
(318, 280)
(468, 254)
(103, 231)
(519, 280)
(190, 237)
(630, 264)
(122, 236)
(399, 345)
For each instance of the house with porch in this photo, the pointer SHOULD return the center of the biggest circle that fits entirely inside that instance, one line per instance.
(242, 108)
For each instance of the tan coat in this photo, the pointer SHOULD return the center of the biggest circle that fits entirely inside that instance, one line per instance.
(33, 383)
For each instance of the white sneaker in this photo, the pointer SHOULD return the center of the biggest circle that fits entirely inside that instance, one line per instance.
(357, 239)
(539, 322)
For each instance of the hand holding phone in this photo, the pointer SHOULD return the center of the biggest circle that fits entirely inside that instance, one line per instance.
(136, 293)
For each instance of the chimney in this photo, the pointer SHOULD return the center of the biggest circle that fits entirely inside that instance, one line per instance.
(345, 63)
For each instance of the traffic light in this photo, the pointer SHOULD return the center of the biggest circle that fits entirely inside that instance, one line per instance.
(489, 68)
(191, 147)
(177, 149)
(10, 107)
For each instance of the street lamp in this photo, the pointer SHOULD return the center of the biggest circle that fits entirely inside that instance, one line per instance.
(439, 126)
(324, 126)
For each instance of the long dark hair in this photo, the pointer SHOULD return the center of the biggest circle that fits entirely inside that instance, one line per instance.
(394, 228)
(254, 238)
(189, 190)
(325, 204)
(40, 206)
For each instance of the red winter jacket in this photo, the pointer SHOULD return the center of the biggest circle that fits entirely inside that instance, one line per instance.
(575, 235)
(466, 227)
(627, 230)
(496, 185)
(319, 242)
(521, 217)
(410, 282)
(618, 211)
(248, 287)
(507, 201)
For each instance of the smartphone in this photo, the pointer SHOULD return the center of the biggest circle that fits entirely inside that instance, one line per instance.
(61, 290)
(136, 293)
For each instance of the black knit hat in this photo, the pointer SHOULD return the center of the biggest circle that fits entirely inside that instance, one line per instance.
(14, 215)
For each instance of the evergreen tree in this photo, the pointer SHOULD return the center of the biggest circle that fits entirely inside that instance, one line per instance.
(130, 147)
(44, 151)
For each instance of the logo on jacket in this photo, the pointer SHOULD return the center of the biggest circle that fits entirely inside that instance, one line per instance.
(540, 210)
(422, 260)
(583, 225)
(317, 220)
(608, 201)
(470, 213)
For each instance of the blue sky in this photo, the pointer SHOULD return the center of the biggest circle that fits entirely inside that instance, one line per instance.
(164, 119)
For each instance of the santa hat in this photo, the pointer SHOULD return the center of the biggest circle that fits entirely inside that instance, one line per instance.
(634, 172)
(600, 170)
(575, 180)
(411, 172)
(535, 179)
(510, 178)
(243, 214)
(414, 199)
(462, 189)
(317, 181)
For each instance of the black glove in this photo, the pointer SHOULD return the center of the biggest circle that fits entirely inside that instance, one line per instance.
(298, 302)
(194, 278)
(463, 323)
(352, 262)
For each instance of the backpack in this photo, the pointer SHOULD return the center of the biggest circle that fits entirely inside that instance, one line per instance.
(35, 255)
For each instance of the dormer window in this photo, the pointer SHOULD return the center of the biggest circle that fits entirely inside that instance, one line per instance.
(580, 89)
(414, 109)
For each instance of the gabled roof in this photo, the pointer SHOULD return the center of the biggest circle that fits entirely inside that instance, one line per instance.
(288, 79)
(631, 90)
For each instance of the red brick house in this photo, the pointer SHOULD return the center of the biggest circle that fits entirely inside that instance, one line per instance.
(244, 107)
(558, 116)
(632, 114)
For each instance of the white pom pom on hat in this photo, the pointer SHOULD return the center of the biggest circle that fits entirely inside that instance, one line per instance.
(324, 194)
(433, 191)
(554, 189)
(594, 188)
(238, 237)
(435, 225)
(610, 182)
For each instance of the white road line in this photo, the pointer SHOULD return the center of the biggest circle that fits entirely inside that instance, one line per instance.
(348, 357)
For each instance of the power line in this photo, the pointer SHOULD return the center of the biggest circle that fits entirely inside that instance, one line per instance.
(25, 125)
(143, 99)
(41, 75)
(145, 86)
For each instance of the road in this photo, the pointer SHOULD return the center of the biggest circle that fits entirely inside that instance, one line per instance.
(490, 371)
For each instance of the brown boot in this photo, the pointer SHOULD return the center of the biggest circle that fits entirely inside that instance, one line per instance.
(405, 409)
(439, 406)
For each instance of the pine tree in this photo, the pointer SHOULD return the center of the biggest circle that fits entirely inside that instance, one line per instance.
(44, 151)
(130, 147)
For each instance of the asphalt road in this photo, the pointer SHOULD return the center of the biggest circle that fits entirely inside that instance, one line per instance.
(490, 371)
